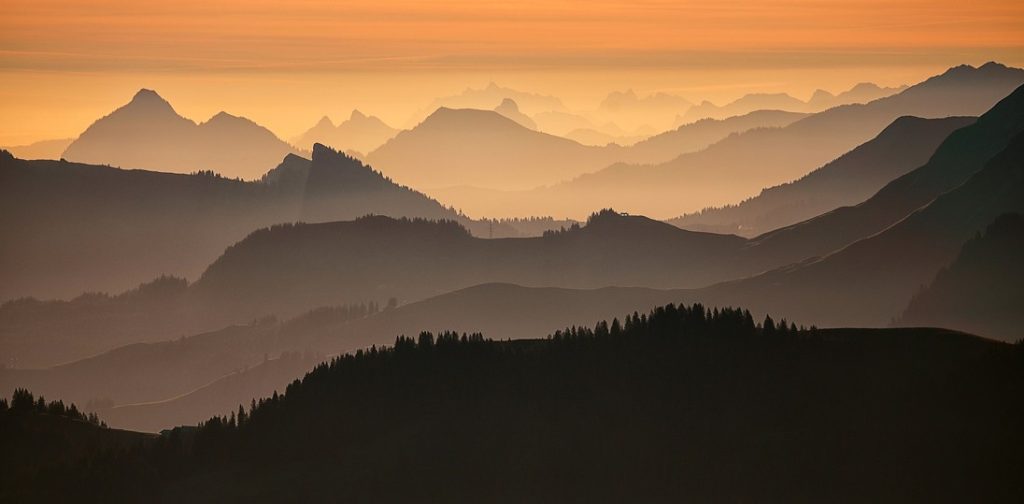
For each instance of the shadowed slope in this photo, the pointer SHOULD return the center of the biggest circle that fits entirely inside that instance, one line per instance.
(982, 289)
(870, 281)
(904, 145)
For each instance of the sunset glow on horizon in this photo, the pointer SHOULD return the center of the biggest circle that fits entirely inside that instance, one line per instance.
(64, 63)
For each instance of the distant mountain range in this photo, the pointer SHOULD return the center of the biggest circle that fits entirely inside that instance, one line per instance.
(820, 100)
(489, 97)
(740, 166)
(44, 149)
(905, 144)
(510, 109)
(627, 109)
(482, 148)
(452, 149)
(685, 400)
(147, 133)
(360, 133)
(291, 268)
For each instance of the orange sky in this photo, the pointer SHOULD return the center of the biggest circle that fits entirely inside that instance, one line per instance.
(64, 63)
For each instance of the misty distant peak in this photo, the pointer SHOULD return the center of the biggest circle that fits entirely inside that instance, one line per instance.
(357, 115)
(324, 122)
(821, 94)
(508, 104)
(866, 86)
(147, 101)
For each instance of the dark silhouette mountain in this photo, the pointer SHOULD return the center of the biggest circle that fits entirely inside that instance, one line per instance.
(147, 133)
(293, 267)
(97, 228)
(870, 281)
(982, 289)
(339, 187)
(41, 438)
(360, 133)
(44, 149)
(740, 166)
(152, 386)
(820, 100)
(905, 144)
(483, 148)
(510, 109)
(678, 404)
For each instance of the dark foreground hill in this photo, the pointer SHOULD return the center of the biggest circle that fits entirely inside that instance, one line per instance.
(154, 386)
(683, 404)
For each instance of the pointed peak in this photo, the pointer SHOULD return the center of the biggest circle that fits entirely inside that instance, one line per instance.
(320, 150)
(492, 86)
(356, 115)
(147, 95)
(324, 121)
(147, 102)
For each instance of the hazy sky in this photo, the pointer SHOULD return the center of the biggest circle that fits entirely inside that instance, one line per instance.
(284, 64)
